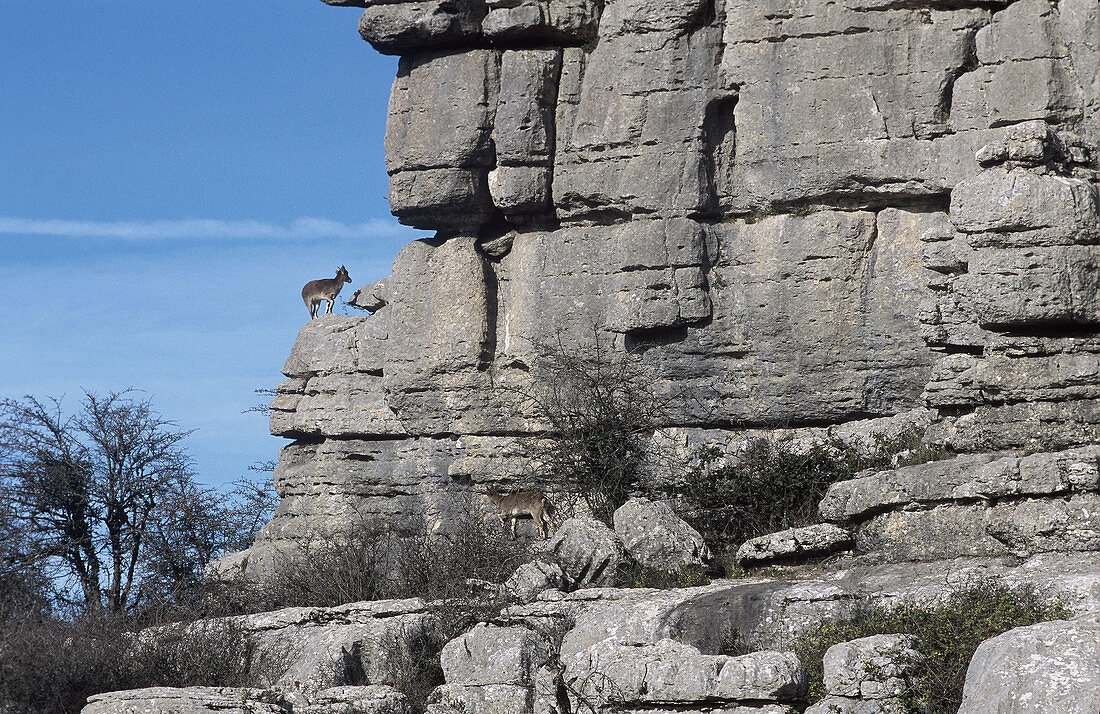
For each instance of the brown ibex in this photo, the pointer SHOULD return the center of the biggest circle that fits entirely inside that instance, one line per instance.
(325, 289)
(524, 503)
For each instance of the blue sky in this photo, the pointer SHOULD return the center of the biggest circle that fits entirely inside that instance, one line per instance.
(170, 175)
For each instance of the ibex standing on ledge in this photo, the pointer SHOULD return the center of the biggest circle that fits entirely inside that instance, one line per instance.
(524, 503)
(325, 289)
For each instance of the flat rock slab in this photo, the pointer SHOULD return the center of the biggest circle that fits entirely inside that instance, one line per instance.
(968, 477)
(188, 700)
(818, 540)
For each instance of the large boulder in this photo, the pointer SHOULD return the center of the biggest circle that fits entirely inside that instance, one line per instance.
(1049, 667)
(590, 553)
(657, 538)
(491, 670)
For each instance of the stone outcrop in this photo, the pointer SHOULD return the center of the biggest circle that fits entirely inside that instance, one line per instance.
(310, 649)
(674, 674)
(837, 218)
(652, 650)
(190, 700)
(240, 700)
(974, 505)
(795, 216)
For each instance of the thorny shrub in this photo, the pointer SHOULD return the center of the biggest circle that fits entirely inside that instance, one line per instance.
(949, 634)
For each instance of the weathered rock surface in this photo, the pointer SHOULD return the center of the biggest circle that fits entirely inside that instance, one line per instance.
(963, 478)
(876, 667)
(868, 676)
(532, 578)
(590, 553)
(806, 542)
(1049, 667)
(189, 700)
(668, 672)
(373, 699)
(974, 505)
(313, 649)
(657, 538)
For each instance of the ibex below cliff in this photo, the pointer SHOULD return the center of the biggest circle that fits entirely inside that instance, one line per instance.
(325, 289)
(524, 503)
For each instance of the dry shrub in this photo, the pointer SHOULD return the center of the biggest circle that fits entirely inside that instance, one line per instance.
(457, 571)
(365, 563)
(600, 411)
(51, 666)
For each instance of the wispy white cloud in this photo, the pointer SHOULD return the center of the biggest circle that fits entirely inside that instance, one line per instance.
(202, 228)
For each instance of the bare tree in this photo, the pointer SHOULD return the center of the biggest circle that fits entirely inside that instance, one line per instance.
(87, 487)
(601, 410)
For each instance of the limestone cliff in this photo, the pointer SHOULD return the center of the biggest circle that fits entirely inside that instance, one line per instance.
(801, 213)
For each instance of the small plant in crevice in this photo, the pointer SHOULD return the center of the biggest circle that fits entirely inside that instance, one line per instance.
(949, 633)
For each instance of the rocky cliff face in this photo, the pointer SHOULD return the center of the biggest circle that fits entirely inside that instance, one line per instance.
(799, 213)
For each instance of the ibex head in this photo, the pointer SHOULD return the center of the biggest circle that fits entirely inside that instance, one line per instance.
(342, 275)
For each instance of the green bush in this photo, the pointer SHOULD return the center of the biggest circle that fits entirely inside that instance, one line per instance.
(772, 485)
(640, 576)
(949, 634)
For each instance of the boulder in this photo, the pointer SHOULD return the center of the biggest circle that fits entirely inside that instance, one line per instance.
(657, 538)
(532, 578)
(876, 667)
(491, 670)
(401, 26)
(1048, 667)
(492, 655)
(590, 553)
